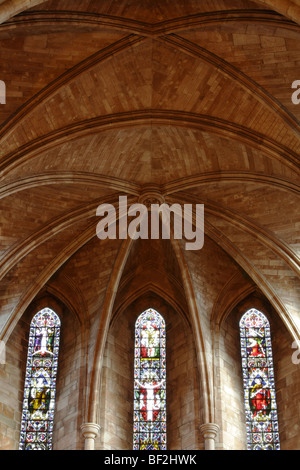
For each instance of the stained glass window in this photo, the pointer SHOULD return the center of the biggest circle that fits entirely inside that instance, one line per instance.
(258, 379)
(150, 382)
(40, 382)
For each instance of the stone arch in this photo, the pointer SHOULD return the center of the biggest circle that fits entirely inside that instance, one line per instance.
(116, 410)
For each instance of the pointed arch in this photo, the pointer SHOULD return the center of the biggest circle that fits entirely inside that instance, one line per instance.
(40, 381)
(149, 428)
(258, 382)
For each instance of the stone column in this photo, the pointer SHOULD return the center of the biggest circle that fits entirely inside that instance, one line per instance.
(90, 431)
(209, 432)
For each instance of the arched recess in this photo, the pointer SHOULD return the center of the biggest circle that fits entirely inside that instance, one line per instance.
(117, 376)
(72, 356)
(39, 400)
(118, 299)
(68, 401)
(231, 406)
(109, 306)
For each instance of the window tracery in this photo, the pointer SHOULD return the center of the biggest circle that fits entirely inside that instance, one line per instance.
(40, 382)
(258, 382)
(150, 382)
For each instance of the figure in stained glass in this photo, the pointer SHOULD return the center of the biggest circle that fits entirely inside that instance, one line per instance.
(40, 382)
(39, 394)
(150, 382)
(260, 398)
(150, 340)
(256, 346)
(258, 379)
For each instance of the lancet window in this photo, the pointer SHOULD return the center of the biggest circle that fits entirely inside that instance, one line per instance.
(258, 381)
(150, 382)
(40, 382)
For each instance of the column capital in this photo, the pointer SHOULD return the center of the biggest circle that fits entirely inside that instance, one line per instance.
(209, 432)
(90, 431)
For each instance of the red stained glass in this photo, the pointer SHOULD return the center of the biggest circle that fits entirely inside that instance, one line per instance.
(40, 382)
(149, 383)
(258, 380)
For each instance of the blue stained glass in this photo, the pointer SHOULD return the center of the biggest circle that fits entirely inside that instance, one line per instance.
(149, 431)
(40, 382)
(258, 381)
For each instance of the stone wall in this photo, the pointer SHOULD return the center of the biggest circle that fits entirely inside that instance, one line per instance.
(69, 389)
(11, 385)
(230, 401)
(117, 380)
(184, 413)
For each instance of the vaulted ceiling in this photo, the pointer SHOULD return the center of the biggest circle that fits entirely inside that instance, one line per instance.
(190, 100)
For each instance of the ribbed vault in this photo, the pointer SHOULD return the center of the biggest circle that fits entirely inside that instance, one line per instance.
(189, 99)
